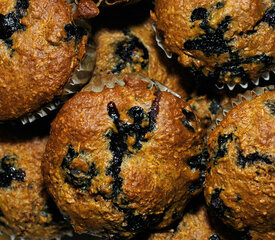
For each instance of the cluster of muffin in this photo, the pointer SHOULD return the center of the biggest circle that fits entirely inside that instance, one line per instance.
(139, 146)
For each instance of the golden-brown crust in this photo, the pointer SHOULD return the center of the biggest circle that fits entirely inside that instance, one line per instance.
(143, 53)
(155, 178)
(86, 9)
(197, 224)
(240, 184)
(40, 61)
(245, 41)
(23, 200)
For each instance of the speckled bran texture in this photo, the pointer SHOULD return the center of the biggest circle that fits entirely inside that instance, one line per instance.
(118, 184)
(197, 224)
(134, 49)
(208, 109)
(230, 41)
(38, 59)
(25, 207)
(240, 183)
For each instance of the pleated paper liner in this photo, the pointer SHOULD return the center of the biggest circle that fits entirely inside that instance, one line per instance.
(265, 77)
(110, 80)
(247, 95)
(81, 75)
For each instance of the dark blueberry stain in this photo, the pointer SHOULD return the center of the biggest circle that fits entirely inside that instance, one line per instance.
(50, 210)
(21, 7)
(131, 51)
(215, 106)
(74, 31)
(250, 159)
(215, 237)
(222, 149)
(9, 173)
(197, 184)
(199, 14)
(217, 204)
(271, 105)
(198, 162)
(118, 138)
(238, 197)
(78, 178)
(269, 17)
(220, 5)
(213, 42)
(10, 23)
(233, 66)
(189, 120)
(139, 222)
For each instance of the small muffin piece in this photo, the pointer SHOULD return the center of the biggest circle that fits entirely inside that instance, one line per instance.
(40, 48)
(229, 41)
(134, 49)
(26, 209)
(197, 223)
(117, 161)
(240, 183)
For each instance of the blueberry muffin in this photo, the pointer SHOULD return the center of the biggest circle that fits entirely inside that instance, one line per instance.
(40, 47)
(132, 48)
(197, 223)
(240, 184)
(230, 42)
(118, 161)
(26, 209)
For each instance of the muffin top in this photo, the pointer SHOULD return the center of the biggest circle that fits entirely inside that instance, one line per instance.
(133, 48)
(39, 49)
(117, 160)
(26, 209)
(240, 184)
(231, 42)
(197, 223)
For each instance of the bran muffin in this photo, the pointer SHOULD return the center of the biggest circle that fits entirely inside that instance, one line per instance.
(40, 47)
(117, 161)
(26, 209)
(197, 223)
(240, 184)
(229, 41)
(133, 48)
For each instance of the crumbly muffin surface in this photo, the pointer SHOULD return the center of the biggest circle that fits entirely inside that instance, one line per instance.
(117, 160)
(229, 41)
(26, 210)
(240, 182)
(134, 49)
(39, 49)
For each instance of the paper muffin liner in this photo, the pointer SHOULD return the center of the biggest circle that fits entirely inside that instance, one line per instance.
(266, 76)
(159, 41)
(248, 95)
(110, 80)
